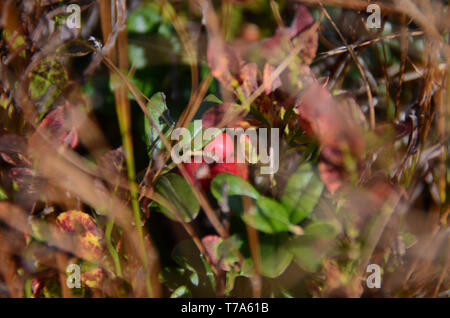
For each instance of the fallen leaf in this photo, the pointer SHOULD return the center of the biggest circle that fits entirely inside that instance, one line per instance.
(86, 233)
(93, 278)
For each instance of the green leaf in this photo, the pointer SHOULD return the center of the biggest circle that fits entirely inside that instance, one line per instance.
(143, 20)
(305, 254)
(225, 250)
(193, 278)
(27, 288)
(310, 249)
(268, 216)
(211, 98)
(210, 101)
(159, 113)
(179, 195)
(247, 268)
(286, 293)
(39, 229)
(323, 229)
(3, 195)
(234, 185)
(409, 239)
(275, 255)
(230, 280)
(172, 276)
(181, 292)
(209, 272)
(302, 193)
(47, 82)
(51, 289)
(137, 56)
(187, 255)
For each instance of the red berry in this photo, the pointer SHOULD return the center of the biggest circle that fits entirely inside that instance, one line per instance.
(203, 173)
(238, 169)
(199, 172)
(222, 146)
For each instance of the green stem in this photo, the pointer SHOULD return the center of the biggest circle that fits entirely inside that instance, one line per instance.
(129, 158)
(111, 249)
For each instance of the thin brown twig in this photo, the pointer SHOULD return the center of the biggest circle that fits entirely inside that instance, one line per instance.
(344, 49)
(404, 51)
(360, 69)
(61, 261)
(399, 6)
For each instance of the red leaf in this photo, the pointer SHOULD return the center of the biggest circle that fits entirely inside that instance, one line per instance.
(302, 21)
(210, 242)
(300, 33)
(331, 175)
(224, 63)
(36, 286)
(328, 120)
(308, 39)
(57, 127)
(337, 130)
